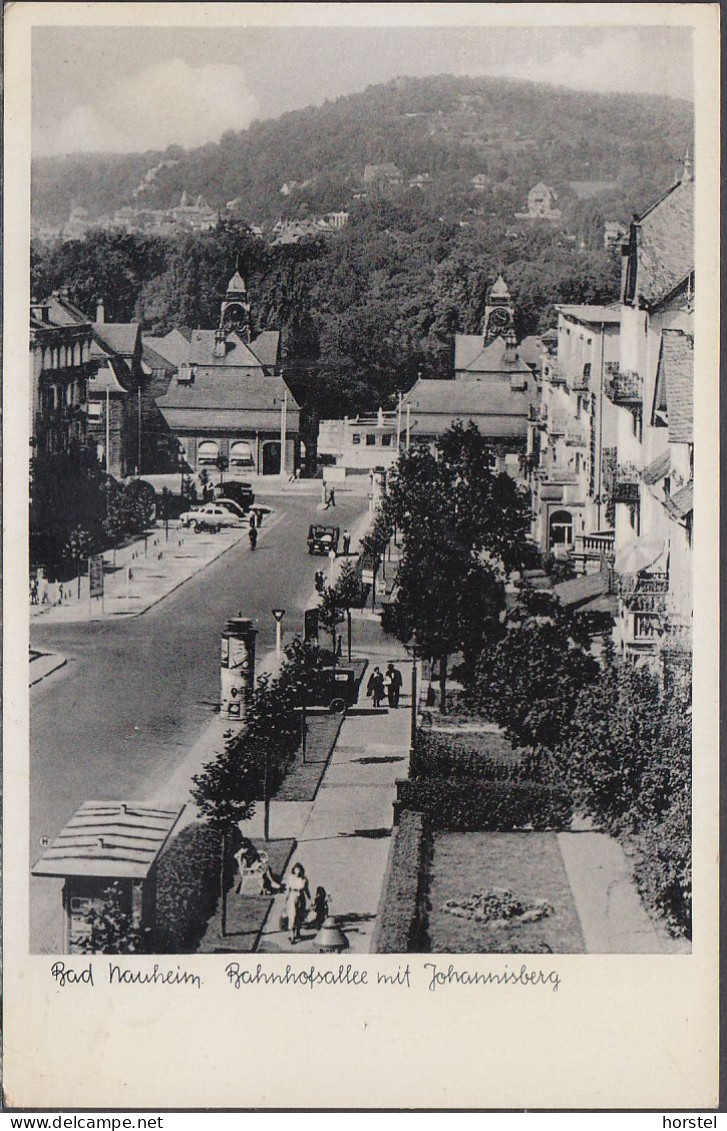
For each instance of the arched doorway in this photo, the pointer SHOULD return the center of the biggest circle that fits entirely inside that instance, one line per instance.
(271, 457)
(560, 529)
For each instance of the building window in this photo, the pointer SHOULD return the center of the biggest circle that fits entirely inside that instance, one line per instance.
(387, 440)
(356, 438)
(241, 454)
(94, 410)
(207, 453)
(370, 439)
(561, 529)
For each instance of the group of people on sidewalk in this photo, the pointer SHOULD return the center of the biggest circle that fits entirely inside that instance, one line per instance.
(251, 861)
(388, 685)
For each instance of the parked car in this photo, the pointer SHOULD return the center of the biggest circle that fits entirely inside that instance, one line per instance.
(323, 539)
(211, 516)
(335, 688)
(240, 493)
(231, 506)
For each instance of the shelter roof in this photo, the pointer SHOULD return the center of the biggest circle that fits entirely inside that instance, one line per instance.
(471, 355)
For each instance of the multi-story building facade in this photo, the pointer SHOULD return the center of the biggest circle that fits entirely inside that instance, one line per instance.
(611, 442)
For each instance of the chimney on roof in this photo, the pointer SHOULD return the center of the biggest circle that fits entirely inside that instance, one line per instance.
(220, 346)
(100, 310)
(510, 346)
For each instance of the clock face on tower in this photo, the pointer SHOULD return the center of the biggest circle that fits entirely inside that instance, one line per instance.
(499, 320)
(235, 315)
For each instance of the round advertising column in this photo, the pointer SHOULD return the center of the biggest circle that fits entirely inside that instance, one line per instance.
(237, 668)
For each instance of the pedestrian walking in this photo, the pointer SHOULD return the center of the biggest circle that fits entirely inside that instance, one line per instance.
(393, 683)
(331, 499)
(252, 535)
(320, 581)
(346, 543)
(258, 518)
(251, 520)
(34, 590)
(296, 901)
(319, 909)
(375, 687)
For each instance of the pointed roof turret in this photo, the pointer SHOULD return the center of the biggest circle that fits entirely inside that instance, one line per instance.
(499, 288)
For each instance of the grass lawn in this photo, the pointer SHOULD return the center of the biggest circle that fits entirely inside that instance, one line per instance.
(303, 778)
(529, 864)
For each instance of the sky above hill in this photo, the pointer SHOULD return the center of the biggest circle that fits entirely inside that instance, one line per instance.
(127, 89)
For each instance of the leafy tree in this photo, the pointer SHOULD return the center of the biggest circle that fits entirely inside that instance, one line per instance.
(110, 927)
(347, 593)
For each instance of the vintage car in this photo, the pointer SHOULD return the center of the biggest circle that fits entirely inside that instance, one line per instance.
(209, 517)
(335, 688)
(240, 493)
(323, 539)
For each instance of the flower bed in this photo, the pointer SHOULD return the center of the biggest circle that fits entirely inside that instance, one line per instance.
(500, 864)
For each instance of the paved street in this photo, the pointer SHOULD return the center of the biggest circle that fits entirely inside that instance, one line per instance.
(136, 694)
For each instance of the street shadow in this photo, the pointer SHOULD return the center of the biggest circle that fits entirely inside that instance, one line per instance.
(369, 834)
(382, 760)
(356, 712)
(354, 917)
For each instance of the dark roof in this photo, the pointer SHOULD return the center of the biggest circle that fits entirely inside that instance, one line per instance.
(674, 392)
(582, 589)
(222, 398)
(657, 469)
(666, 243)
(155, 360)
(471, 355)
(173, 346)
(496, 409)
(119, 337)
(266, 347)
(111, 376)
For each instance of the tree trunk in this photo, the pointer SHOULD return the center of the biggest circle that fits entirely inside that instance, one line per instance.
(223, 887)
(348, 615)
(443, 685)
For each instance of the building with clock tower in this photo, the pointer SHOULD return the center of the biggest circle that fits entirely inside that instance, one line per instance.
(499, 311)
(494, 387)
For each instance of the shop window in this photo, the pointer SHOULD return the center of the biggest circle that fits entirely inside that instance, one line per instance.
(241, 454)
(370, 439)
(356, 438)
(207, 453)
(387, 440)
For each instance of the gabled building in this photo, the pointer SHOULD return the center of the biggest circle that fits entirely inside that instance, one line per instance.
(542, 204)
(227, 404)
(493, 385)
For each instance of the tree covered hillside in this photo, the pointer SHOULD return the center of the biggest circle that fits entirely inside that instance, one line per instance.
(361, 314)
(453, 128)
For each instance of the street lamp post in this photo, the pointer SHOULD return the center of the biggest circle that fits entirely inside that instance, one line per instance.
(278, 614)
(416, 651)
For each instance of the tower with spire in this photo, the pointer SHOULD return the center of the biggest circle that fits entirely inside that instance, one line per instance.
(499, 312)
(235, 309)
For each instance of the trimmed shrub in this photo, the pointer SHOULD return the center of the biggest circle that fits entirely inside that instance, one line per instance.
(187, 887)
(471, 757)
(495, 807)
(663, 869)
(401, 914)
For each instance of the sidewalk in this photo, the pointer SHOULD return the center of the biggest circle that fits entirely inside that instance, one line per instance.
(157, 568)
(344, 834)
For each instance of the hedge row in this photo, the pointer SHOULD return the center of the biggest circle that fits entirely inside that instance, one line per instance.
(493, 806)
(187, 887)
(437, 755)
(400, 917)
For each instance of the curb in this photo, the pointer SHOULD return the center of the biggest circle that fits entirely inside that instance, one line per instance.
(60, 662)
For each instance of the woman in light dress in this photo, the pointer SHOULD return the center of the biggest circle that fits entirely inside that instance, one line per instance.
(296, 900)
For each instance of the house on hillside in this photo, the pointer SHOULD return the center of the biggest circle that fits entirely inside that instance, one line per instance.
(379, 180)
(480, 182)
(542, 201)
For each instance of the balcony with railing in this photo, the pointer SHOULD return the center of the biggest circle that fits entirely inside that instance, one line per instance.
(596, 546)
(626, 479)
(623, 386)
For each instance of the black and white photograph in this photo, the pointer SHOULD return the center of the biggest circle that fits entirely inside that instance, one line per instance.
(360, 492)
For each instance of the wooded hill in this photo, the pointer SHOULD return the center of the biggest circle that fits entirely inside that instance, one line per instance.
(517, 133)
